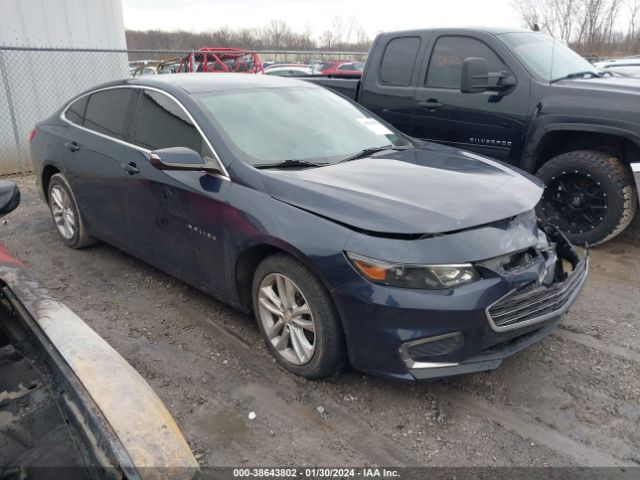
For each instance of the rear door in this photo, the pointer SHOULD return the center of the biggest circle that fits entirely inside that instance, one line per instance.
(92, 160)
(174, 218)
(486, 123)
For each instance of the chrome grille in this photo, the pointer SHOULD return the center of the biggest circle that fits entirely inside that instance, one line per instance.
(533, 302)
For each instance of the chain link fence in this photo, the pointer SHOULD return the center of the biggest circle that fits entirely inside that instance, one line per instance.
(34, 82)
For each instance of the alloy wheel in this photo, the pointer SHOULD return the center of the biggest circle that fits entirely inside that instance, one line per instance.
(63, 212)
(574, 202)
(286, 318)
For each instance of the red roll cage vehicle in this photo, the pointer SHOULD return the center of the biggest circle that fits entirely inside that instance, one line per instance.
(221, 60)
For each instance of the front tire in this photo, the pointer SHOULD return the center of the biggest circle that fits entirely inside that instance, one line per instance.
(297, 318)
(590, 196)
(65, 213)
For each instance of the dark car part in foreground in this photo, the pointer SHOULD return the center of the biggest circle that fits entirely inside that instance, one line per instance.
(70, 406)
(345, 238)
(521, 97)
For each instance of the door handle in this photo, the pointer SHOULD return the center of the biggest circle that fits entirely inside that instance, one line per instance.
(430, 104)
(73, 146)
(131, 168)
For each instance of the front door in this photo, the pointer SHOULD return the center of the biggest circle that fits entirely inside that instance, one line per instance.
(486, 123)
(175, 219)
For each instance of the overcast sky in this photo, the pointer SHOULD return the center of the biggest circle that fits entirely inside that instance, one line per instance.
(373, 15)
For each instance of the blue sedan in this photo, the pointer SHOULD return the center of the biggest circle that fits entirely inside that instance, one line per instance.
(348, 241)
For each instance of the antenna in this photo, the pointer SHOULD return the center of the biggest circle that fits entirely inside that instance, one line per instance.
(553, 56)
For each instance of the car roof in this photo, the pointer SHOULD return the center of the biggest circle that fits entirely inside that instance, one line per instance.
(288, 67)
(209, 82)
(461, 31)
(623, 61)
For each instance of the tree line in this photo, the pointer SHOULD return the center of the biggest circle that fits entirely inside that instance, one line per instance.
(344, 35)
(591, 27)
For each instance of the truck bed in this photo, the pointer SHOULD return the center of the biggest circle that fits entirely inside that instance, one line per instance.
(345, 86)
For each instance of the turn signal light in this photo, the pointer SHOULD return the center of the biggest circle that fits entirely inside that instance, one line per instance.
(371, 271)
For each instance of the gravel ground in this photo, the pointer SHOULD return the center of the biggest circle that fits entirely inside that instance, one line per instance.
(573, 399)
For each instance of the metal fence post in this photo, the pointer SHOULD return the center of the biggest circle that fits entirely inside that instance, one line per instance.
(12, 114)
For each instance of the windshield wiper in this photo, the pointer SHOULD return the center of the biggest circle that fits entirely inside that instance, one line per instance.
(290, 163)
(577, 75)
(370, 151)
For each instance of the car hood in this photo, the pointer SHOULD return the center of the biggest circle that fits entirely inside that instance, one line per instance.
(607, 84)
(433, 189)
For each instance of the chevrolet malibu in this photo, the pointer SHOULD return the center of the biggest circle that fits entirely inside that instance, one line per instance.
(346, 239)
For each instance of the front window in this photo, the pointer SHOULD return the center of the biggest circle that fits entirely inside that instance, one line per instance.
(445, 65)
(546, 58)
(162, 123)
(272, 125)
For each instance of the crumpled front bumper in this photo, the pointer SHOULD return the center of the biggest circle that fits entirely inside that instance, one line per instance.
(533, 330)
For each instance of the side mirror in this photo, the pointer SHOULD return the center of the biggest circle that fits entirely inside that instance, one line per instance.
(475, 75)
(477, 79)
(181, 159)
(9, 197)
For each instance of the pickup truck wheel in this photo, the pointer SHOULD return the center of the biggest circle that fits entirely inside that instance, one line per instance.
(66, 214)
(297, 318)
(589, 195)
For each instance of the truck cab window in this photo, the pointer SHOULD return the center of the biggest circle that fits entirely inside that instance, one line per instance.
(445, 65)
(398, 60)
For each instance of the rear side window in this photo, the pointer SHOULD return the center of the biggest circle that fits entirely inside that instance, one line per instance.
(162, 123)
(398, 60)
(75, 112)
(445, 66)
(107, 110)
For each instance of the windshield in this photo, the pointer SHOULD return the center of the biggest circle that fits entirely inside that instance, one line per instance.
(545, 57)
(272, 125)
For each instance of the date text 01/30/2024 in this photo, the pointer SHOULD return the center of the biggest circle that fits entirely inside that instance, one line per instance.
(322, 472)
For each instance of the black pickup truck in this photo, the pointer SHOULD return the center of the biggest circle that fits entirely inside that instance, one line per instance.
(520, 97)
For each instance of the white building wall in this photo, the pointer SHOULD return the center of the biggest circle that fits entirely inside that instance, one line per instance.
(34, 83)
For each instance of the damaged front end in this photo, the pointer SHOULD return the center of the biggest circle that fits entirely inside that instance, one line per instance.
(561, 276)
(527, 276)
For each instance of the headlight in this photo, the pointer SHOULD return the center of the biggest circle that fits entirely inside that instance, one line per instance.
(432, 277)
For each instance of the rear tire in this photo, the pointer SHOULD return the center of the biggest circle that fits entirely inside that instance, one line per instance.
(319, 331)
(66, 214)
(590, 196)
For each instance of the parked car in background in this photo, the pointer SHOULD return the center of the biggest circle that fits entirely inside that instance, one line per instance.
(284, 64)
(315, 65)
(221, 60)
(169, 66)
(629, 66)
(344, 237)
(520, 97)
(144, 71)
(289, 71)
(72, 407)
(342, 69)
